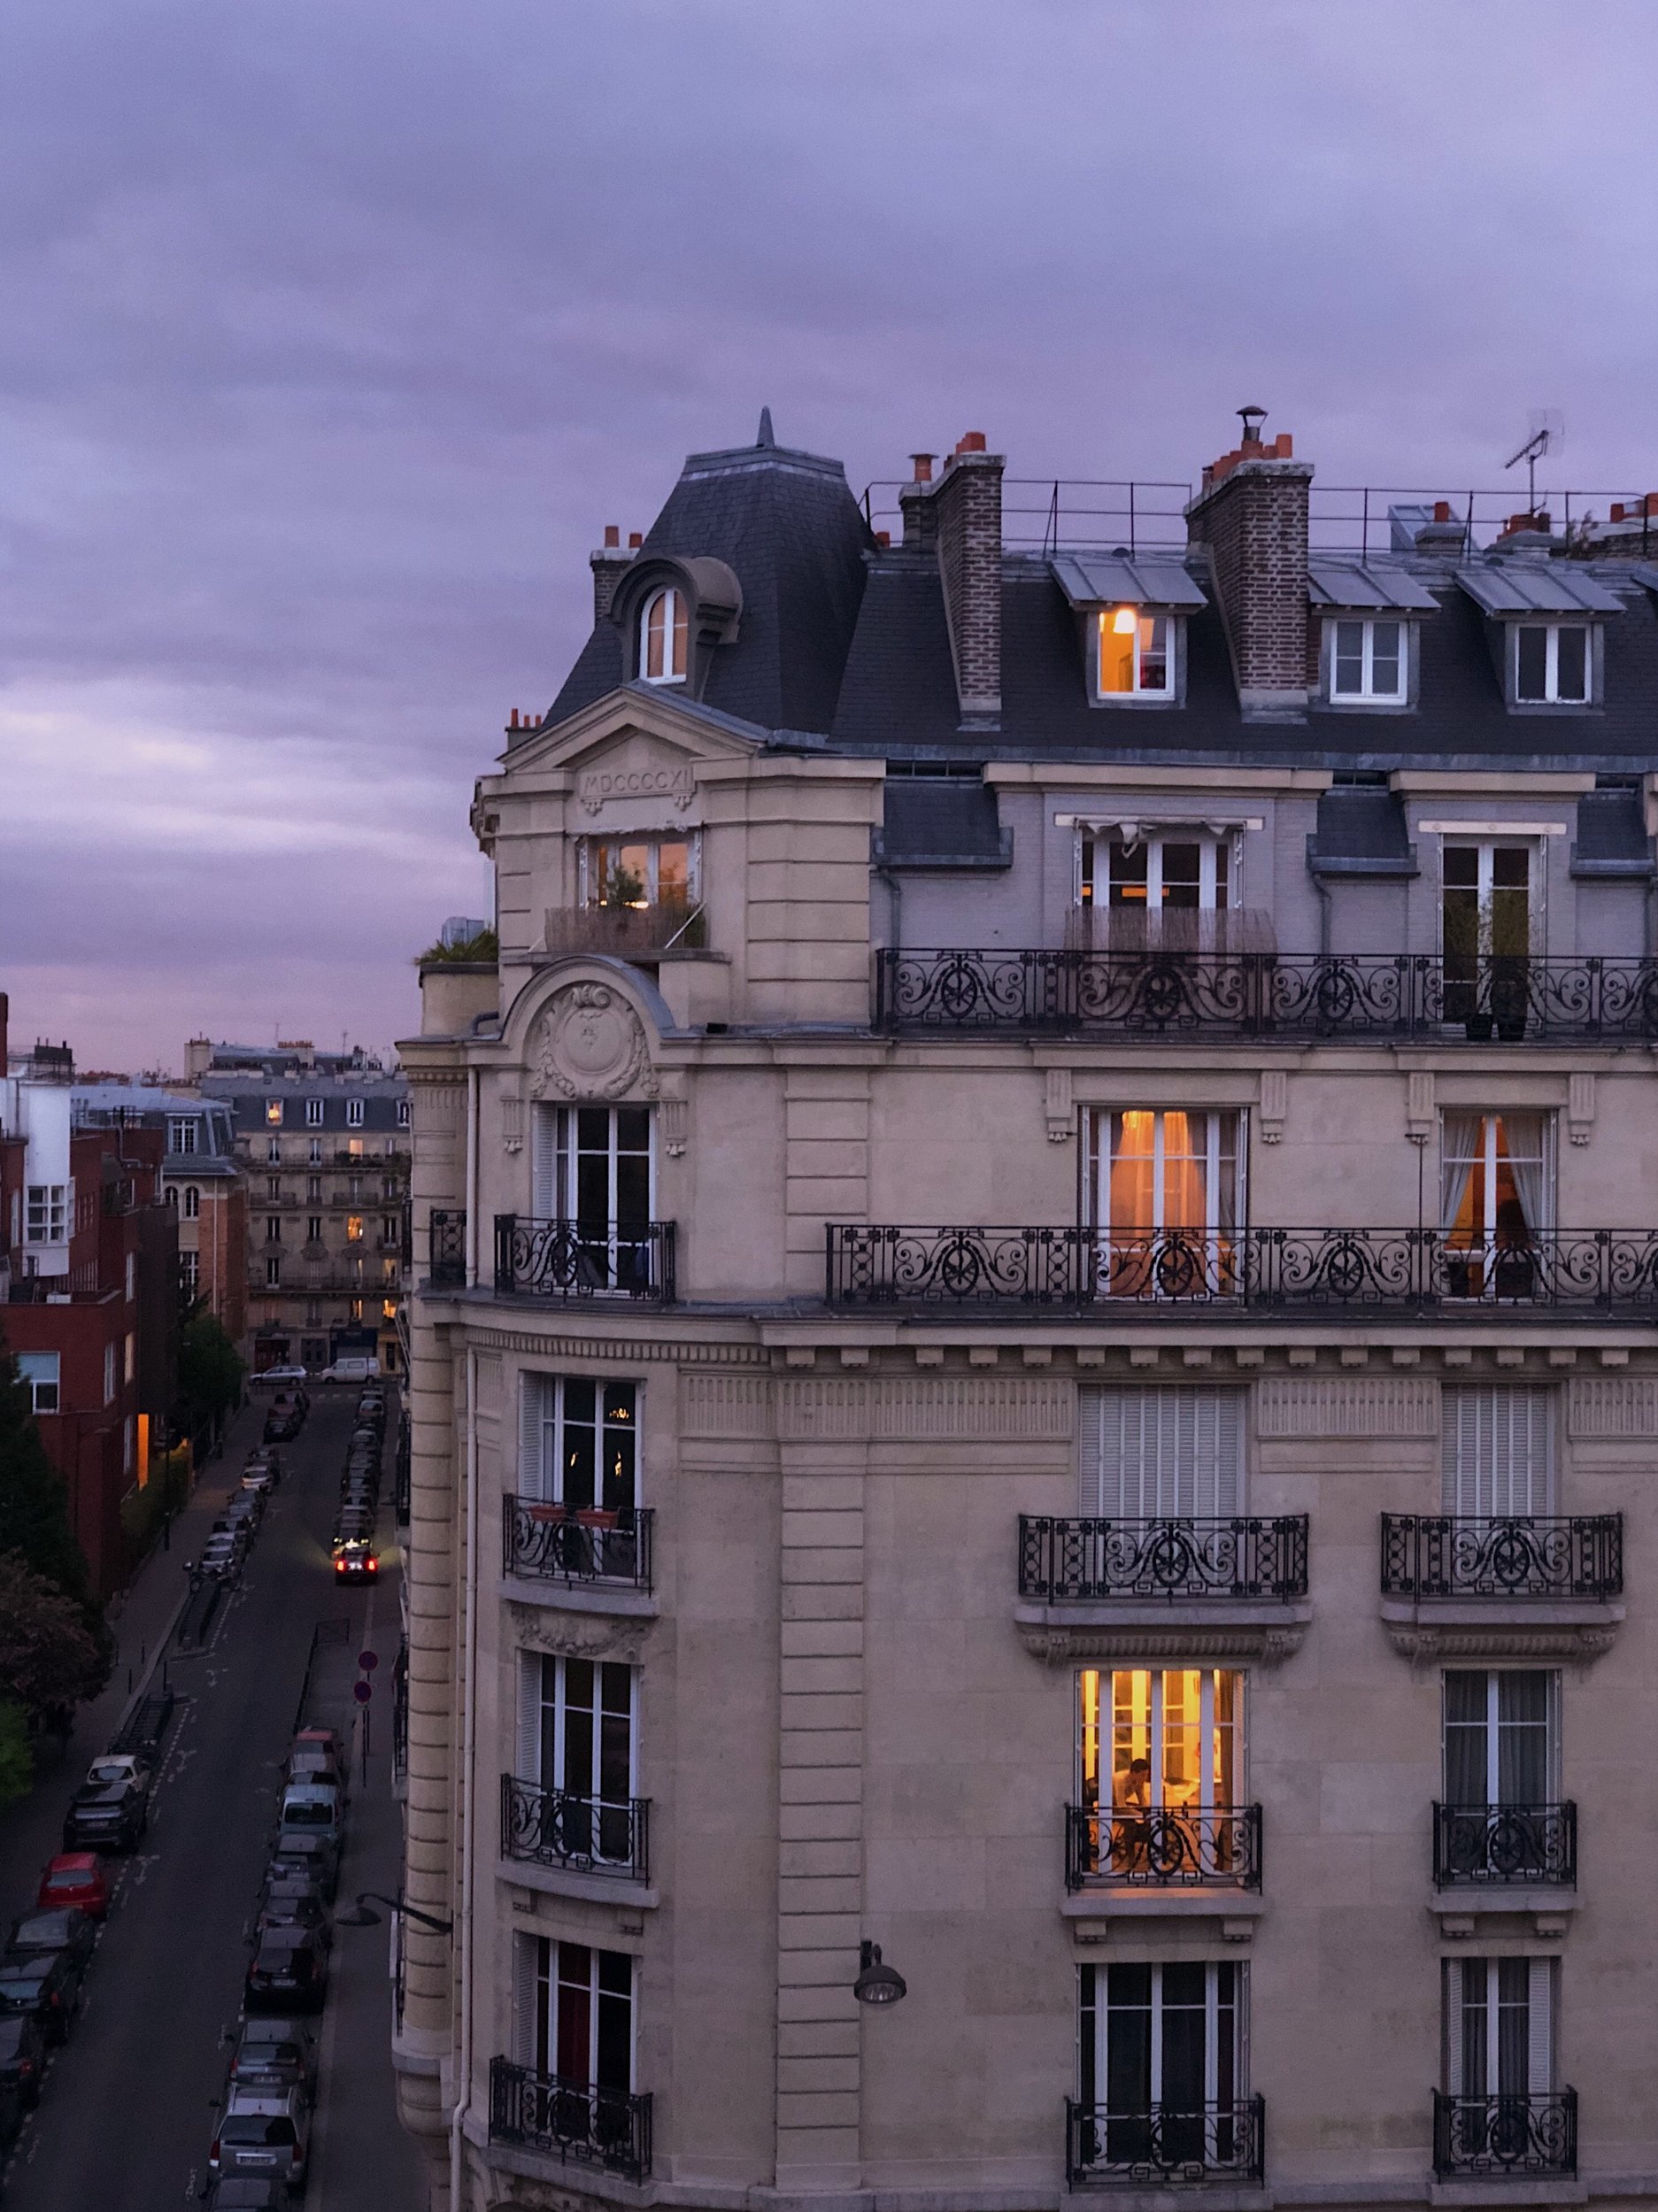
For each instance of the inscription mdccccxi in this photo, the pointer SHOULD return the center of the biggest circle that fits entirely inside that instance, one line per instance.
(597, 785)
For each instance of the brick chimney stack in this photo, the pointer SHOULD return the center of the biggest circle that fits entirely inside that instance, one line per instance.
(609, 566)
(915, 504)
(1252, 515)
(967, 519)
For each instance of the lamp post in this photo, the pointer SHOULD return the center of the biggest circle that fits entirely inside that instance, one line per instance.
(362, 1915)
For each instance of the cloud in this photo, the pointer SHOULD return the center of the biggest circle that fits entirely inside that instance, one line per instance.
(334, 336)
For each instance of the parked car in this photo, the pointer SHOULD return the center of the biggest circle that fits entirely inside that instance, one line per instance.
(314, 1806)
(106, 1816)
(78, 1878)
(316, 1762)
(45, 1985)
(351, 1369)
(263, 1455)
(323, 1739)
(122, 1766)
(62, 1928)
(22, 2056)
(265, 2135)
(287, 1906)
(288, 1972)
(258, 1481)
(278, 1374)
(282, 1427)
(291, 1402)
(275, 2051)
(312, 1853)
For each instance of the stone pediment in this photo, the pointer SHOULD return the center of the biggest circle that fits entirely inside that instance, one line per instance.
(641, 770)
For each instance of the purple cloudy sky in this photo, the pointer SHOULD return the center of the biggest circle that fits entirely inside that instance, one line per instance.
(335, 331)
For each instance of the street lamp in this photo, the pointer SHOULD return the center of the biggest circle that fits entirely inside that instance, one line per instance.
(362, 1915)
(876, 1985)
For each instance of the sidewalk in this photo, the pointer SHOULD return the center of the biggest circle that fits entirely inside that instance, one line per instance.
(31, 1830)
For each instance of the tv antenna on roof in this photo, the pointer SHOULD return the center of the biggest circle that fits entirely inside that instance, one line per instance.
(1547, 434)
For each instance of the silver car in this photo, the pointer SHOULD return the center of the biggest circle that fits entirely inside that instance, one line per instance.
(264, 2133)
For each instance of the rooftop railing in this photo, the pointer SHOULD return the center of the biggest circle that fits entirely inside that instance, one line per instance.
(1158, 995)
(1586, 1274)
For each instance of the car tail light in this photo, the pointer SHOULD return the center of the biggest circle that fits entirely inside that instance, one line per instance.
(57, 2001)
(213, 2156)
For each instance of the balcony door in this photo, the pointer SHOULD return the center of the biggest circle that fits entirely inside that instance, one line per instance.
(1162, 1453)
(1162, 2048)
(1488, 922)
(1499, 2028)
(578, 1741)
(1496, 1199)
(594, 1172)
(578, 1443)
(1500, 1736)
(1496, 1450)
(1165, 1192)
(574, 2015)
(1160, 1766)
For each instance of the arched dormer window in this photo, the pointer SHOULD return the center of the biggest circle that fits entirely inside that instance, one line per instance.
(663, 634)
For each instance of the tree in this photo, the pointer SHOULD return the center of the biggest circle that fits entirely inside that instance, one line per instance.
(17, 1761)
(49, 1659)
(33, 1503)
(210, 1369)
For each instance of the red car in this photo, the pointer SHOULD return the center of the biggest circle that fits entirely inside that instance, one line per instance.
(77, 1879)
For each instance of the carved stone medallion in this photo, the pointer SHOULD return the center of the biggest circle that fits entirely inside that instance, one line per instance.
(590, 1045)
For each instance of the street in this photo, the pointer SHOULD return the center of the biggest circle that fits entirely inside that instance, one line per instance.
(127, 2118)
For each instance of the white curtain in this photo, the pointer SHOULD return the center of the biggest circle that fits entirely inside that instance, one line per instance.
(1461, 1139)
(1527, 1136)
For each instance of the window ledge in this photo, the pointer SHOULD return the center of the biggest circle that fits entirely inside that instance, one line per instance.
(595, 1888)
(1265, 1630)
(533, 1590)
(1237, 1910)
(1508, 2191)
(1461, 1910)
(1214, 2196)
(1515, 1627)
(576, 2179)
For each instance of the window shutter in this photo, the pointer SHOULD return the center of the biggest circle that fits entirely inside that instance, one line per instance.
(1171, 1451)
(1497, 1450)
(543, 1169)
(1240, 1984)
(1089, 1446)
(1540, 2028)
(527, 1758)
(535, 1393)
(526, 1973)
(1454, 1970)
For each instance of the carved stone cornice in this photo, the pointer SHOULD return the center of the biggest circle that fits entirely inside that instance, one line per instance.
(1499, 1629)
(1058, 1635)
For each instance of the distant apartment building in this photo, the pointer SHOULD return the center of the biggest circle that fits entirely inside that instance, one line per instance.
(1034, 1411)
(201, 1179)
(88, 1262)
(322, 1142)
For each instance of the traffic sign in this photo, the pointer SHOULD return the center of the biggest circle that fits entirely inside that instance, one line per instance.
(362, 1692)
(369, 1662)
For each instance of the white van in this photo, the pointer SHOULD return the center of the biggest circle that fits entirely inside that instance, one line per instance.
(354, 1369)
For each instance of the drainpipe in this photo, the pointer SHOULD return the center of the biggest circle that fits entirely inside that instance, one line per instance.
(473, 1080)
(469, 1730)
(1324, 930)
(895, 900)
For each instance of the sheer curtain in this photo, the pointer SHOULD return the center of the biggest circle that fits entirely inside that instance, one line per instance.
(1527, 1138)
(1461, 1143)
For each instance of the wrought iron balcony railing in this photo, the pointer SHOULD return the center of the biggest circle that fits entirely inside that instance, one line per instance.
(1071, 1562)
(447, 1234)
(1590, 1273)
(569, 2119)
(1507, 2135)
(1164, 2142)
(1485, 1847)
(1163, 1847)
(1161, 994)
(1440, 1555)
(556, 1828)
(575, 1260)
(572, 1544)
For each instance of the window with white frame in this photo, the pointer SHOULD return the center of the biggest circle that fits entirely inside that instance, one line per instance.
(1499, 2027)
(180, 1134)
(274, 1151)
(192, 1202)
(1553, 663)
(1496, 1450)
(46, 1213)
(1165, 1454)
(1161, 2051)
(1135, 656)
(132, 1277)
(573, 2012)
(127, 1445)
(40, 1375)
(190, 1273)
(578, 1443)
(1156, 872)
(664, 637)
(1496, 1201)
(1489, 924)
(273, 1229)
(1500, 1737)
(1367, 659)
(578, 1737)
(1158, 1749)
(274, 1272)
(313, 1114)
(1164, 1190)
(353, 1114)
(129, 1357)
(593, 1168)
(315, 1152)
(642, 872)
(403, 1114)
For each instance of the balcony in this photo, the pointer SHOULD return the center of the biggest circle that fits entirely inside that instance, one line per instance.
(1503, 2137)
(1163, 1847)
(447, 1233)
(1502, 1847)
(578, 1261)
(581, 1835)
(1159, 995)
(1522, 1586)
(1163, 2143)
(571, 2121)
(577, 1546)
(1588, 1275)
(1174, 1587)
(625, 932)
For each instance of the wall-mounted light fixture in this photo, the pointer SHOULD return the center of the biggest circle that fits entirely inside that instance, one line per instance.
(876, 1985)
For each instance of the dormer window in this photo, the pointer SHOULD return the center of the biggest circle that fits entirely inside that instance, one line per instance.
(663, 633)
(1367, 662)
(1551, 664)
(1136, 659)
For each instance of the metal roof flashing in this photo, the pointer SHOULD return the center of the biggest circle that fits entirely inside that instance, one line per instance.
(1518, 587)
(1095, 579)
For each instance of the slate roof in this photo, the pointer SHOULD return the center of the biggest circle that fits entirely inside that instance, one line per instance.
(786, 522)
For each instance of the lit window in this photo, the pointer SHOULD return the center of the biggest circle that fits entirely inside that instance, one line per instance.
(389, 1309)
(192, 1202)
(273, 1113)
(1550, 664)
(662, 635)
(1158, 1750)
(354, 1147)
(1367, 661)
(353, 1114)
(641, 871)
(1165, 1189)
(1496, 1195)
(39, 1372)
(583, 1442)
(388, 1268)
(1156, 873)
(1136, 660)
(354, 1229)
(313, 1114)
(48, 1213)
(357, 1309)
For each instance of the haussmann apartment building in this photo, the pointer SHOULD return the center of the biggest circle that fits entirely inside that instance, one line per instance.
(1033, 1571)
